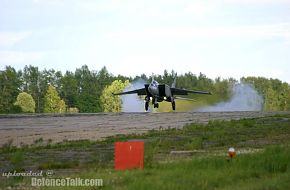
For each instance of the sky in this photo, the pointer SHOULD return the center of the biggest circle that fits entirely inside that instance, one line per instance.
(220, 38)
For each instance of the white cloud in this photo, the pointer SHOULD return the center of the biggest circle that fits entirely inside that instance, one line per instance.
(100, 6)
(257, 1)
(249, 31)
(199, 8)
(11, 38)
(132, 65)
(50, 2)
(10, 57)
(150, 8)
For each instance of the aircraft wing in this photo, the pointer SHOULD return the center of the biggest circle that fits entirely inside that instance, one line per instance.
(141, 91)
(181, 98)
(178, 91)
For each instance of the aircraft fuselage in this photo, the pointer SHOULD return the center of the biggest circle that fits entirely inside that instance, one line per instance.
(159, 93)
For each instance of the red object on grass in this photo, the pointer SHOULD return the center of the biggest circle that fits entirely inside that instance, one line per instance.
(129, 155)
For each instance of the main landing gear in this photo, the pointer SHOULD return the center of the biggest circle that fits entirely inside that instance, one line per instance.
(173, 105)
(147, 100)
(146, 106)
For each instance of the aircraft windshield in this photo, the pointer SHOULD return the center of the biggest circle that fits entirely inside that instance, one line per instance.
(155, 83)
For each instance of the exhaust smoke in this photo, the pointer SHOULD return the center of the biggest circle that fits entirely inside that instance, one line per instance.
(132, 102)
(244, 98)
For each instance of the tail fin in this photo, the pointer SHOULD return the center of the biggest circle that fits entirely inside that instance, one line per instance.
(174, 82)
(152, 76)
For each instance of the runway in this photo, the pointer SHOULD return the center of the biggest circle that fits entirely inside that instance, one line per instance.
(26, 129)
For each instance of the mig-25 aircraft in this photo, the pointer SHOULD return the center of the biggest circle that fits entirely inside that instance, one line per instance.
(161, 92)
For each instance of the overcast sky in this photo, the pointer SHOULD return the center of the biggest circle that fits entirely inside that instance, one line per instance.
(227, 38)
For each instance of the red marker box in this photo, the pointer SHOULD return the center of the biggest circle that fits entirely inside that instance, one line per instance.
(129, 155)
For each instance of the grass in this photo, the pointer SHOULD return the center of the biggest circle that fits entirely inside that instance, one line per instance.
(17, 160)
(269, 169)
(199, 101)
(212, 173)
(58, 165)
(181, 106)
(264, 169)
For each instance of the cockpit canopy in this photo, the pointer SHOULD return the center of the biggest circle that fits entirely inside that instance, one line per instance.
(155, 83)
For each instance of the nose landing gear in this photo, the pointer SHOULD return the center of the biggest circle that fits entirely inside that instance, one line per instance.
(156, 105)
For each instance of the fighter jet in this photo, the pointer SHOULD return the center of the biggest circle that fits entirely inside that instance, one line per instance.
(156, 92)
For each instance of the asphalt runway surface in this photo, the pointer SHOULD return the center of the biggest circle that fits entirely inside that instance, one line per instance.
(27, 129)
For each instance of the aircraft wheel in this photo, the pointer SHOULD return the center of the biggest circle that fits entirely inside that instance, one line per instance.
(173, 105)
(146, 106)
(156, 105)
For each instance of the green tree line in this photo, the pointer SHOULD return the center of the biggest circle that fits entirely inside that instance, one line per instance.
(276, 93)
(85, 90)
(53, 91)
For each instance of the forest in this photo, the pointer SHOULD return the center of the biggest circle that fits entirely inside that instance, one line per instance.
(88, 91)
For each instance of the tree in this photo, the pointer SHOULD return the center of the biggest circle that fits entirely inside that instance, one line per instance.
(69, 90)
(90, 86)
(9, 89)
(271, 100)
(222, 88)
(52, 102)
(167, 77)
(88, 90)
(112, 103)
(31, 81)
(284, 97)
(26, 102)
(46, 78)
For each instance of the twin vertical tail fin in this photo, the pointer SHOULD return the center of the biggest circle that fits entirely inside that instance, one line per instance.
(174, 82)
(152, 76)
